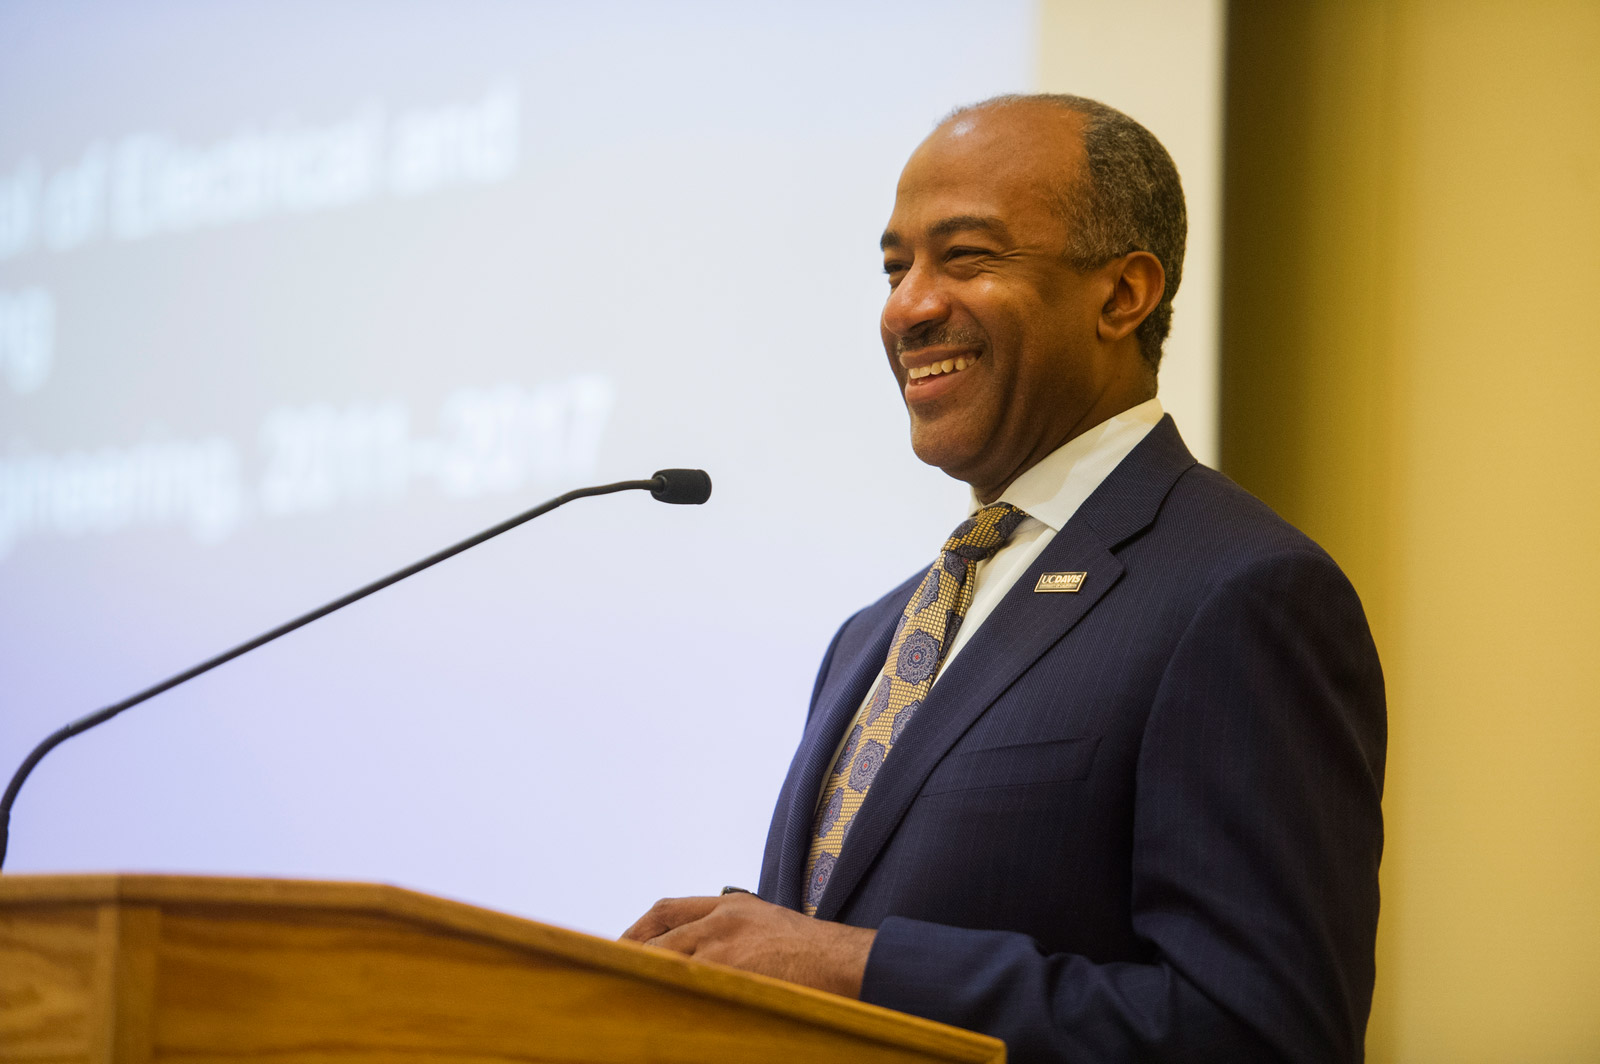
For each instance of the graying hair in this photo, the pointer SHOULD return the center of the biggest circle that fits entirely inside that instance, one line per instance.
(1129, 199)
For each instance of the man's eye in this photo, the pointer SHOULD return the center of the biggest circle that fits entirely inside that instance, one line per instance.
(894, 271)
(959, 253)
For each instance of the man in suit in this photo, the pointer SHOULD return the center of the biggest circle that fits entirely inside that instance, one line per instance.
(1105, 781)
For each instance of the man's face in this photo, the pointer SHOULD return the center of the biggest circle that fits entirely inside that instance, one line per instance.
(979, 279)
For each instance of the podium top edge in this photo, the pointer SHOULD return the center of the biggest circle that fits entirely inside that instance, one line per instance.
(153, 888)
(190, 892)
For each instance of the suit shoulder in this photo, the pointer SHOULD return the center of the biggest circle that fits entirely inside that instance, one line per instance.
(1209, 511)
(1211, 534)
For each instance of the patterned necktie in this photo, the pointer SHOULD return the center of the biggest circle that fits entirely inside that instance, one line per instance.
(927, 627)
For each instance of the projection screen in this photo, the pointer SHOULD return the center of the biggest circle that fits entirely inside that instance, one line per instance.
(292, 294)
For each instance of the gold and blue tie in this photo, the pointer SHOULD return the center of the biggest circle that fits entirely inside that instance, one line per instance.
(927, 627)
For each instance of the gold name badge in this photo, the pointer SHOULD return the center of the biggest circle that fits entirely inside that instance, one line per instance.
(1060, 582)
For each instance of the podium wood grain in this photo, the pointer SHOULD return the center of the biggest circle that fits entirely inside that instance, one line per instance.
(135, 969)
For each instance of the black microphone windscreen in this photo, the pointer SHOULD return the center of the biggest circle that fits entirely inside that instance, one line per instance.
(689, 487)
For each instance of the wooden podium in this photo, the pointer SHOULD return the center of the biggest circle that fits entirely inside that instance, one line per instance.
(130, 969)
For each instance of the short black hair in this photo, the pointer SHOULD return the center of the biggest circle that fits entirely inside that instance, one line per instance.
(1129, 198)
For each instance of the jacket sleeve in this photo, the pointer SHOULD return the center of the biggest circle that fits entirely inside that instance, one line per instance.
(1257, 832)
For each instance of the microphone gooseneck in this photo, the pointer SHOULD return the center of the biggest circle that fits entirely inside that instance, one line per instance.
(691, 486)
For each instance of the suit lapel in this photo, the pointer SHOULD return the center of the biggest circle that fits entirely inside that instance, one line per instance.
(837, 704)
(1022, 627)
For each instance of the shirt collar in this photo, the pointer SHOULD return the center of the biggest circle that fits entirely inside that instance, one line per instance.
(1053, 489)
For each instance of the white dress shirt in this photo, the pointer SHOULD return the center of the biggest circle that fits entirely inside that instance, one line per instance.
(1049, 493)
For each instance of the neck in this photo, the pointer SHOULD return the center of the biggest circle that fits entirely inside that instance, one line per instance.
(988, 491)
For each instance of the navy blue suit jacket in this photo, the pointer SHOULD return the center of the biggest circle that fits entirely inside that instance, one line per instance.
(1139, 822)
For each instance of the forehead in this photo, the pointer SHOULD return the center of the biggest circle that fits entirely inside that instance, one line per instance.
(1010, 163)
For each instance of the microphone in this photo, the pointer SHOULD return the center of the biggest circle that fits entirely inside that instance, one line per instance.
(685, 487)
(679, 486)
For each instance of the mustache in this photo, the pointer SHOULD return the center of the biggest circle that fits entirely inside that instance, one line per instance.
(940, 336)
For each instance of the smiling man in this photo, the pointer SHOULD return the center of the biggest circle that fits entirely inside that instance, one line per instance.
(1105, 780)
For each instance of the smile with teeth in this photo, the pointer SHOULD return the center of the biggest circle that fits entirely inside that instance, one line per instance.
(934, 369)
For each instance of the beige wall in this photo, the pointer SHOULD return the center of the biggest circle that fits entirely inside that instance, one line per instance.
(1084, 45)
(1411, 258)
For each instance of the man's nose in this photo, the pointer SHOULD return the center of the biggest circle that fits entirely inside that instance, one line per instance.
(918, 301)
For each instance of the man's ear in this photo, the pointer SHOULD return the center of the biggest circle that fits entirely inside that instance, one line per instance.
(1138, 282)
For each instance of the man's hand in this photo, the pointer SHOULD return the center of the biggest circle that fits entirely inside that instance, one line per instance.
(745, 932)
